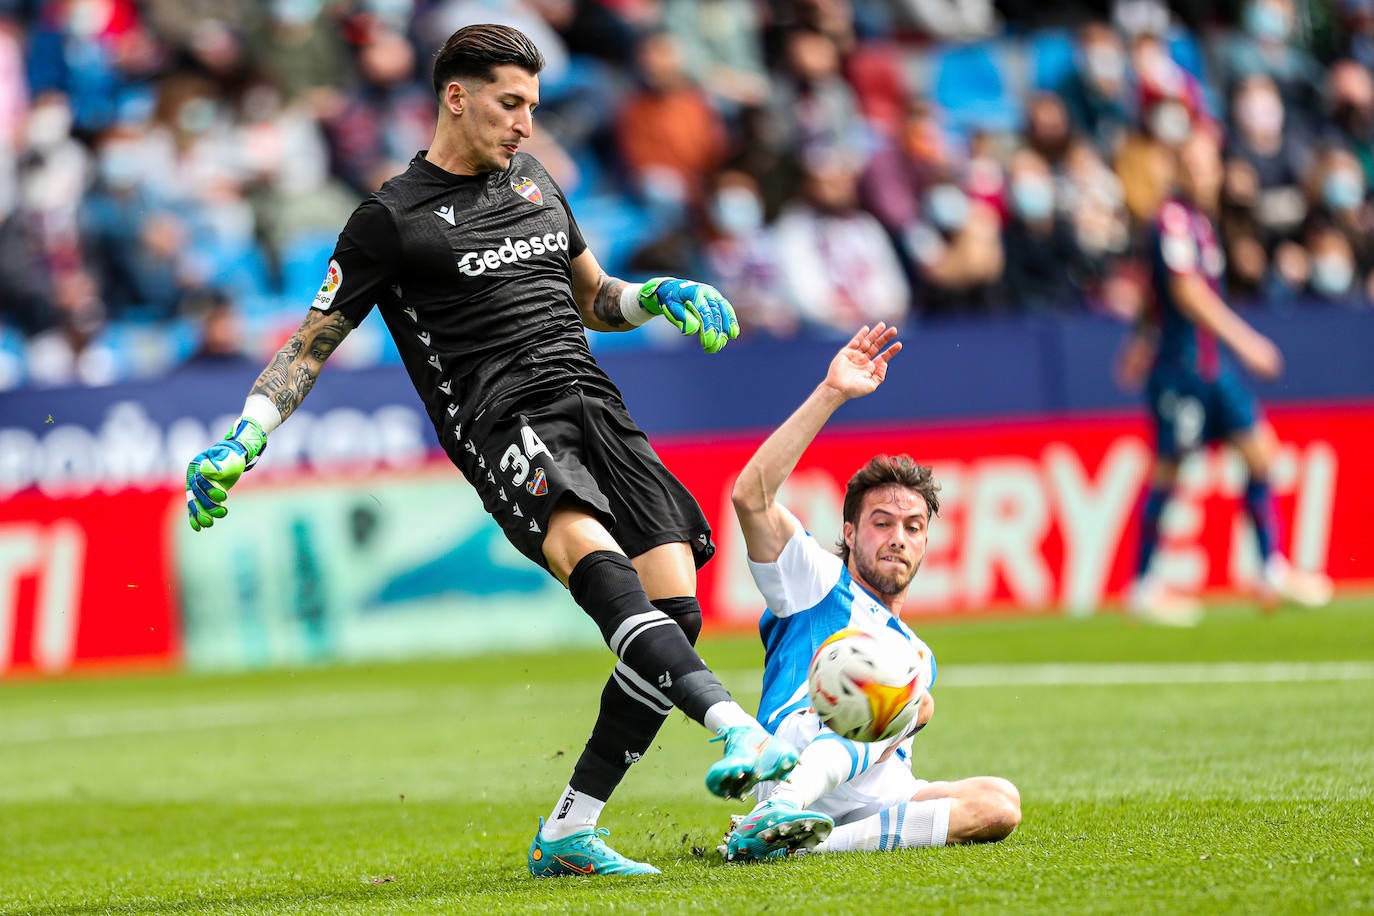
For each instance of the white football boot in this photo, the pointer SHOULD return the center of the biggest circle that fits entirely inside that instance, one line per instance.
(1150, 601)
(1281, 582)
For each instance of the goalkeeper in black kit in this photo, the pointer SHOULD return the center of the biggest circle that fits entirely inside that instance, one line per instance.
(474, 261)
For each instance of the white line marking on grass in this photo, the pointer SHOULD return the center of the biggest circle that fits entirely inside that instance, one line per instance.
(344, 705)
(1092, 674)
(208, 716)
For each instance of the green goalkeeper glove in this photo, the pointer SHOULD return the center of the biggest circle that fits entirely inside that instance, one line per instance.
(211, 473)
(692, 308)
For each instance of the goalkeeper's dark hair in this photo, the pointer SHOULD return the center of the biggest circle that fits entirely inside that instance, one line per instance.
(474, 51)
(887, 471)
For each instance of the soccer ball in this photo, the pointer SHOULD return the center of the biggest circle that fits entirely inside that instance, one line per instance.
(867, 686)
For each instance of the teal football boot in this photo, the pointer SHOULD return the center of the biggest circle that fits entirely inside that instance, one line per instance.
(583, 853)
(751, 756)
(775, 828)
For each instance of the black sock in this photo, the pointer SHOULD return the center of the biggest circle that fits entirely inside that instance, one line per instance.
(656, 652)
(628, 721)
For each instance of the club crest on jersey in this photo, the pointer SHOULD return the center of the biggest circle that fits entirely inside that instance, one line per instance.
(527, 189)
(539, 486)
(333, 279)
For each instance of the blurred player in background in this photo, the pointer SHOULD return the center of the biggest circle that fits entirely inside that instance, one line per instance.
(476, 265)
(1193, 394)
(866, 791)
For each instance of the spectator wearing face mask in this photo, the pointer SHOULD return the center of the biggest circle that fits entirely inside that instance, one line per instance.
(667, 133)
(1088, 194)
(956, 248)
(1169, 104)
(1045, 269)
(817, 103)
(96, 52)
(1048, 130)
(1267, 45)
(1274, 157)
(740, 254)
(1096, 93)
(903, 166)
(293, 44)
(1335, 278)
(384, 118)
(133, 246)
(722, 48)
(1167, 98)
(223, 338)
(75, 351)
(1354, 32)
(838, 266)
(1350, 111)
(1339, 201)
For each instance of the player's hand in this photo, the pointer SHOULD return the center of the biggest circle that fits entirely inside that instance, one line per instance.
(861, 366)
(1133, 362)
(211, 473)
(1262, 358)
(692, 308)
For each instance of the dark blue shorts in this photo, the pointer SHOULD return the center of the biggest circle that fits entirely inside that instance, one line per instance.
(1189, 411)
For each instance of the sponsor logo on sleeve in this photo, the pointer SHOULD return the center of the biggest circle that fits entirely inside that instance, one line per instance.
(333, 279)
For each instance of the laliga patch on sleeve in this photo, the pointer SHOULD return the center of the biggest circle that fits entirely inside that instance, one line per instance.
(1180, 253)
(333, 278)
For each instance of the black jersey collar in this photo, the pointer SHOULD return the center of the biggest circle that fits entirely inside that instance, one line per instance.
(432, 170)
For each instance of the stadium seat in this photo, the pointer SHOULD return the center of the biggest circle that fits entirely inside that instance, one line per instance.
(181, 336)
(242, 271)
(614, 228)
(304, 260)
(1051, 53)
(1185, 49)
(1187, 52)
(11, 358)
(971, 84)
(142, 349)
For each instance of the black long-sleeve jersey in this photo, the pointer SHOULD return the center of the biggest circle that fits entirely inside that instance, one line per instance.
(473, 276)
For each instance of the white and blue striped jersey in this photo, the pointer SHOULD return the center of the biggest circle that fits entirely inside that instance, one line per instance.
(810, 596)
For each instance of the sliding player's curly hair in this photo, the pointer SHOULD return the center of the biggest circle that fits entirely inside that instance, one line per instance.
(474, 50)
(886, 471)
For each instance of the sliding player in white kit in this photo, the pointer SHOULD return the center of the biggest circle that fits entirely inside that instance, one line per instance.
(861, 796)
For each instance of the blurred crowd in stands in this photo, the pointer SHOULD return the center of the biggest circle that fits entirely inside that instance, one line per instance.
(173, 173)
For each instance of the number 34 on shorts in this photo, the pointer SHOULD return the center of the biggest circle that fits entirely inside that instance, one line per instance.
(516, 462)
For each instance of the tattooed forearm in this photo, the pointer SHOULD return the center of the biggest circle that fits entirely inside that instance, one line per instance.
(606, 303)
(293, 371)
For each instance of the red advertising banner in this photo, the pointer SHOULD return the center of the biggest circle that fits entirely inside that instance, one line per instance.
(1035, 516)
(86, 581)
(1038, 515)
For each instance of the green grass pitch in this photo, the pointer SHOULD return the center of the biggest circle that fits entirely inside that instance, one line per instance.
(1224, 770)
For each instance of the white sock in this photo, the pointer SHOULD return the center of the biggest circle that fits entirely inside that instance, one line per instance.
(823, 765)
(726, 714)
(575, 811)
(907, 826)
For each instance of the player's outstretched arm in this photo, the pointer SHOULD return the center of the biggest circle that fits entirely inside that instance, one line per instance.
(858, 369)
(278, 391)
(1206, 309)
(610, 304)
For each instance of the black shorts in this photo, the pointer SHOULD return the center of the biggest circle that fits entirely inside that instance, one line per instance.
(586, 449)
